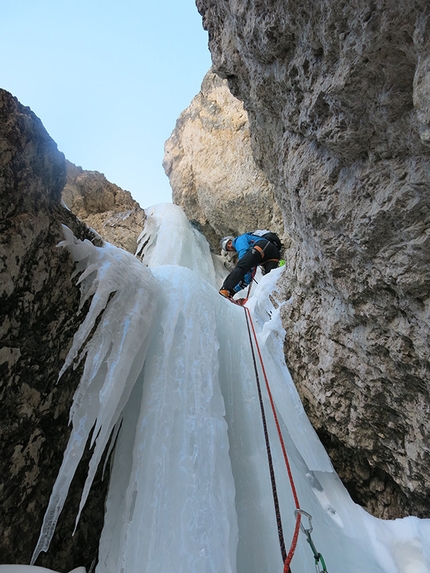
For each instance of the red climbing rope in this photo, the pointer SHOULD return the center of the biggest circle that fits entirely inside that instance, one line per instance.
(243, 301)
(268, 452)
(286, 558)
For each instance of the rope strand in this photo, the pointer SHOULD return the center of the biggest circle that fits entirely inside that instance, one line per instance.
(288, 558)
(268, 451)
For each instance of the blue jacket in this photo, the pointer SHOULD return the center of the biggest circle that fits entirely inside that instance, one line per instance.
(242, 244)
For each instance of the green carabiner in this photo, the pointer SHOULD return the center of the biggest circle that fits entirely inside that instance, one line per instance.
(317, 556)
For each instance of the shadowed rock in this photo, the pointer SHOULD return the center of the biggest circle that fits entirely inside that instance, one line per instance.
(38, 317)
(337, 95)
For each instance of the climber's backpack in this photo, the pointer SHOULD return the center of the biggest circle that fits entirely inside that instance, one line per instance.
(272, 237)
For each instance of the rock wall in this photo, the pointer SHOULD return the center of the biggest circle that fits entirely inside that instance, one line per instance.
(38, 317)
(104, 207)
(213, 175)
(338, 99)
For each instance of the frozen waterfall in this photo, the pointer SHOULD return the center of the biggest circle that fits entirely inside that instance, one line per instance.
(169, 371)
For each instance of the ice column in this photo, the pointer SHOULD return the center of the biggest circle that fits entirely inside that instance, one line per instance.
(172, 482)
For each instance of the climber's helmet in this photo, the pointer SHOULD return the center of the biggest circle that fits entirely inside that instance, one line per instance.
(223, 243)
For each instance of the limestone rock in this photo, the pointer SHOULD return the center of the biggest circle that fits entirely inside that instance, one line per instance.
(213, 175)
(38, 317)
(337, 95)
(103, 206)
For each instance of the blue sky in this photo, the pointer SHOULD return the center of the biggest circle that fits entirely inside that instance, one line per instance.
(108, 79)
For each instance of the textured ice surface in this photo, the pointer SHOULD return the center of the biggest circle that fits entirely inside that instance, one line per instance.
(176, 489)
(190, 488)
(124, 297)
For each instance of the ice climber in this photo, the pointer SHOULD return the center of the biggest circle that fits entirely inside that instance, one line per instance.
(260, 248)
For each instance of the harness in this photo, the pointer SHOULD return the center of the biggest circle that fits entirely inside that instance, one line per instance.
(261, 250)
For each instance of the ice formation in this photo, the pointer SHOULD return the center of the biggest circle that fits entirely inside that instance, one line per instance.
(33, 569)
(190, 487)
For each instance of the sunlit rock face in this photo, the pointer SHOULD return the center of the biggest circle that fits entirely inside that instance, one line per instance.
(212, 172)
(103, 206)
(38, 317)
(338, 99)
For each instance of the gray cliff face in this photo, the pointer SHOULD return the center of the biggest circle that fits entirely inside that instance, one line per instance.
(338, 99)
(103, 206)
(213, 175)
(38, 317)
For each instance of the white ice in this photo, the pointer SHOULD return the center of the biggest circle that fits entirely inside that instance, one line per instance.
(190, 488)
(33, 569)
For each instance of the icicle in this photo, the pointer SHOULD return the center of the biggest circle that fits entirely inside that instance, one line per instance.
(124, 302)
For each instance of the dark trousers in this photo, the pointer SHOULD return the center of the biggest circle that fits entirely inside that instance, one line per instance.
(268, 259)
